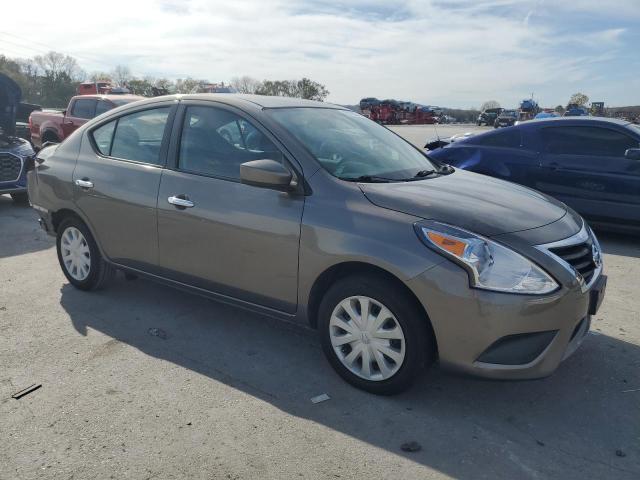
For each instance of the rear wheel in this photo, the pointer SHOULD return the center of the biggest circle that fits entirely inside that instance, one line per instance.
(80, 257)
(374, 335)
(21, 197)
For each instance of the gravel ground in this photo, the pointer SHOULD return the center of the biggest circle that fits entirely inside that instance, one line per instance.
(142, 381)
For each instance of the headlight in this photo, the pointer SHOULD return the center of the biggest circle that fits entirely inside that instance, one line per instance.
(491, 266)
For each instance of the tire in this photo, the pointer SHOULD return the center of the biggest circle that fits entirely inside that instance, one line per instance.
(21, 197)
(99, 271)
(418, 350)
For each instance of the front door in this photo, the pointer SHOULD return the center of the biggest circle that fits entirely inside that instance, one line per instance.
(80, 112)
(234, 239)
(116, 184)
(585, 167)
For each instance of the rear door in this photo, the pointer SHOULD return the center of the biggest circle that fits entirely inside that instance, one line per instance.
(116, 183)
(501, 154)
(585, 167)
(80, 111)
(233, 239)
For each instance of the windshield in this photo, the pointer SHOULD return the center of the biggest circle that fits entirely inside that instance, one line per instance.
(350, 146)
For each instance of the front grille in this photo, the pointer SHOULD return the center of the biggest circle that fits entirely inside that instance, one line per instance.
(10, 167)
(579, 256)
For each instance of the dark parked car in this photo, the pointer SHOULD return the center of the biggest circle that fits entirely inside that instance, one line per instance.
(506, 119)
(488, 116)
(312, 212)
(592, 164)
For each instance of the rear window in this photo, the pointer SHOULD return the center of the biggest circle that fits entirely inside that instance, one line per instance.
(507, 138)
(591, 141)
(83, 108)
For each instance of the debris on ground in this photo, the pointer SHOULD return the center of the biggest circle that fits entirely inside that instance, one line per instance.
(411, 447)
(158, 332)
(26, 391)
(320, 398)
(620, 453)
(632, 390)
(540, 443)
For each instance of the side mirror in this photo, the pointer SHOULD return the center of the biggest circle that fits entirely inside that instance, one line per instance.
(632, 154)
(267, 174)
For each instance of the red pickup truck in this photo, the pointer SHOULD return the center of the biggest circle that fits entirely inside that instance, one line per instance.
(55, 126)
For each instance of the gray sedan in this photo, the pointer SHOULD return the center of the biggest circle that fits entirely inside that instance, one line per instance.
(308, 211)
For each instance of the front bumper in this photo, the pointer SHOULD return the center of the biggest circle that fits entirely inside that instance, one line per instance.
(522, 337)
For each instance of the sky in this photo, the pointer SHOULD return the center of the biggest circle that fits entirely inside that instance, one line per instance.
(454, 53)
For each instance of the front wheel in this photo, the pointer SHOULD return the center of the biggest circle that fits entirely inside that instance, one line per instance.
(374, 335)
(80, 257)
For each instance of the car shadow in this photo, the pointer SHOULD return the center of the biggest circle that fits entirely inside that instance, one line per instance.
(566, 426)
(19, 229)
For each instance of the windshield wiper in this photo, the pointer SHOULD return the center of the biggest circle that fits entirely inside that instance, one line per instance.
(424, 173)
(370, 179)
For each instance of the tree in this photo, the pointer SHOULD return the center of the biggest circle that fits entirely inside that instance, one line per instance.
(579, 99)
(311, 90)
(490, 104)
(142, 87)
(121, 75)
(187, 85)
(97, 76)
(56, 64)
(246, 84)
(559, 109)
(304, 88)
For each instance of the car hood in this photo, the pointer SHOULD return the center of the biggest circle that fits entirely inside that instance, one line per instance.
(475, 202)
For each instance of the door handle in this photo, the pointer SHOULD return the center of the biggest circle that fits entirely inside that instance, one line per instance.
(180, 201)
(84, 183)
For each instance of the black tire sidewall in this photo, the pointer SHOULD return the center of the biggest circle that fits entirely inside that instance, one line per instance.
(418, 348)
(95, 271)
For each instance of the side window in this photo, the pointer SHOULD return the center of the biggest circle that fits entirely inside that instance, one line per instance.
(216, 142)
(592, 141)
(83, 108)
(102, 107)
(509, 138)
(139, 135)
(103, 136)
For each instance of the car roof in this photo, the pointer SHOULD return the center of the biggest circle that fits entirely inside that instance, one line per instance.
(261, 101)
(575, 120)
(131, 98)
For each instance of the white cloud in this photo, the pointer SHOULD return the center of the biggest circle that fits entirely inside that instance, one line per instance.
(456, 52)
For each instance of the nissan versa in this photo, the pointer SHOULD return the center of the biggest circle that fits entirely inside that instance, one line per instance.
(310, 211)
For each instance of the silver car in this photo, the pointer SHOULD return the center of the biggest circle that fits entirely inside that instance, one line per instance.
(309, 211)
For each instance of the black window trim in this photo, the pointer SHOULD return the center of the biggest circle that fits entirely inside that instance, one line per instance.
(176, 137)
(166, 136)
(582, 125)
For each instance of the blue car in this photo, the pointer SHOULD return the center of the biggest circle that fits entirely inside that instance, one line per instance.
(592, 164)
(15, 154)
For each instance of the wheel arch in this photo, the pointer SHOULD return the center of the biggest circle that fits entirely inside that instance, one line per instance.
(351, 268)
(58, 217)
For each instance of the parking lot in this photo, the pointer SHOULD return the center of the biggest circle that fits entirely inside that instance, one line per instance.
(143, 381)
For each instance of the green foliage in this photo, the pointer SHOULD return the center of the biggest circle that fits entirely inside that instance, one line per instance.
(304, 88)
(579, 99)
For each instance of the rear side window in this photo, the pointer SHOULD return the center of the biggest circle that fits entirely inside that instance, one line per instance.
(136, 137)
(592, 141)
(216, 142)
(83, 108)
(509, 138)
(102, 107)
(103, 135)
